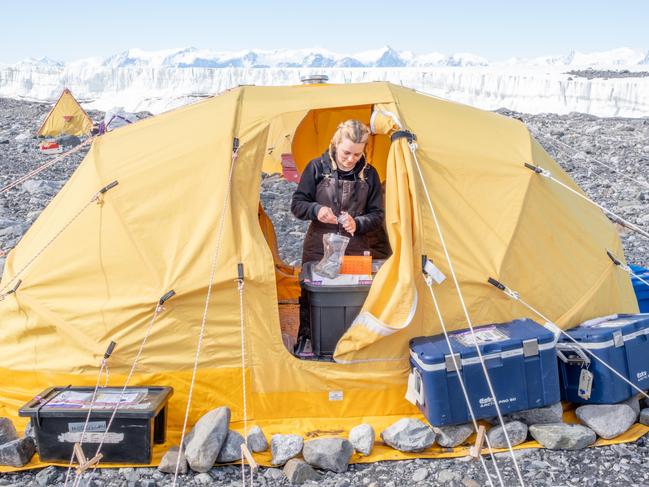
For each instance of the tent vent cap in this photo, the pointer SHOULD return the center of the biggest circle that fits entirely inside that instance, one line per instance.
(314, 79)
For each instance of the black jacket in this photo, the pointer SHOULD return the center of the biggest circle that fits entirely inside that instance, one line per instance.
(305, 207)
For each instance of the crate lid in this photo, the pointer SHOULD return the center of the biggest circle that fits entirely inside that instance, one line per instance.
(604, 330)
(496, 340)
(136, 402)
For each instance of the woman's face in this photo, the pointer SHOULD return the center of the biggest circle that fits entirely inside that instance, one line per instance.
(348, 153)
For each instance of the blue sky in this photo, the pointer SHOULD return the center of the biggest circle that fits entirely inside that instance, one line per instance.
(68, 30)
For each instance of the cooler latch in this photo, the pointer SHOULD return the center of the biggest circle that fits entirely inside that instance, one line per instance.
(618, 339)
(530, 347)
(450, 363)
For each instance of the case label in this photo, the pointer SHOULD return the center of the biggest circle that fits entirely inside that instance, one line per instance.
(93, 427)
(489, 334)
(585, 384)
(91, 437)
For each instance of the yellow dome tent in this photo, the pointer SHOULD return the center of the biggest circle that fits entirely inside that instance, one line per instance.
(177, 205)
(66, 118)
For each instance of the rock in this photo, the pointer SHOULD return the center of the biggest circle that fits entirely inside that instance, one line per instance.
(469, 482)
(328, 453)
(168, 462)
(420, 475)
(148, 483)
(607, 420)
(452, 436)
(563, 436)
(47, 476)
(446, 476)
(207, 438)
(231, 449)
(548, 414)
(130, 474)
(644, 416)
(17, 453)
(7, 431)
(408, 435)
(274, 474)
(298, 471)
(204, 479)
(516, 430)
(634, 403)
(256, 440)
(343, 483)
(285, 447)
(362, 438)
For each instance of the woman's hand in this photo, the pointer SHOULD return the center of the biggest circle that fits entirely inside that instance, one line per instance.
(349, 224)
(325, 215)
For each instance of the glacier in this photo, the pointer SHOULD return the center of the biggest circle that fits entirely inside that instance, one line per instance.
(158, 81)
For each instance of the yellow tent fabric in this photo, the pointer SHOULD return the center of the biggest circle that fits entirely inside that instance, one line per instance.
(93, 269)
(66, 118)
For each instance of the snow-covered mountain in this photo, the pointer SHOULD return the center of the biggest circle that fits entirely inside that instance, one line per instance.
(159, 80)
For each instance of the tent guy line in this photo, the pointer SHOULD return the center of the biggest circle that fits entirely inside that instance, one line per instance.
(625, 268)
(412, 144)
(548, 175)
(96, 198)
(240, 287)
(550, 325)
(236, 146)
(456, 365)
(158, 309)
(103, 367)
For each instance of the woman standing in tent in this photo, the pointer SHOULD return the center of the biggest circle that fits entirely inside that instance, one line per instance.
(340, 193)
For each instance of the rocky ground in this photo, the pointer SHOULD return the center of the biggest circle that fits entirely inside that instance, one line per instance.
(572, 139)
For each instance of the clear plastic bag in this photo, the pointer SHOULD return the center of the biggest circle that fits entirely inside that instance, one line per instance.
(334, 250)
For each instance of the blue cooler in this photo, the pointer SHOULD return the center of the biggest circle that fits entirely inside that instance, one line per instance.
(621, 342)
(521, 360)
(640, 288)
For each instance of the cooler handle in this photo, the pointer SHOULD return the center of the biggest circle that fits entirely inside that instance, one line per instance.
(568, 347)
(415, 393)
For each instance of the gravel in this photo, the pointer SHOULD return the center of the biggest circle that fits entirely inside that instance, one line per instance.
(618, 142)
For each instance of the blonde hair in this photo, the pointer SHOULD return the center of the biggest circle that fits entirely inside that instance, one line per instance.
(353, 130)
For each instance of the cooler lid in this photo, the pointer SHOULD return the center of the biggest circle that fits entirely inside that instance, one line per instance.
(136, 402)
(496, 340)
(606, 328)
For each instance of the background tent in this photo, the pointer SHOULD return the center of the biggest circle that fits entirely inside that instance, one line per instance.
(182, 199)
(66, 118)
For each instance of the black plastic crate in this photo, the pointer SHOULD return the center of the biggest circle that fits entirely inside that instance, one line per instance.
(332, 310)
(58, 415)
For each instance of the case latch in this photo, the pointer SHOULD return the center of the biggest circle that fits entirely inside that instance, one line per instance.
(450, 364)
(530, 347)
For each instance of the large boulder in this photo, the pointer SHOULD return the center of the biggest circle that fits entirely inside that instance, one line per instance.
(516, 430)
(257, 442)
(408, 435)
(548, 414)
(17, 453)
(328, 453)
(231, 449)
(168, 462)
(362, 438)
(607, 420)
(298, 471)
(206, 439)
(285, 447)
(452, 436)
(563, 436)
